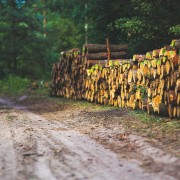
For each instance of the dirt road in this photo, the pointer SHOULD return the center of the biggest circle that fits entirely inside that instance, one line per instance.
(68, 143)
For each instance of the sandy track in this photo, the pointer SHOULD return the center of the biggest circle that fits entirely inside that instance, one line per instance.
(7, 152)
(32, 147)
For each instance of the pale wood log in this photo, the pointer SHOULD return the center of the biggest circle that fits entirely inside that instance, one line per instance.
(149, 55)
(170, 110)
(150, 108)
(155, 53)
(138, 57)
(175, 43)
(178, 112)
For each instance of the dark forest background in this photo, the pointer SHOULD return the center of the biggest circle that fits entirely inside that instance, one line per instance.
(34, 32)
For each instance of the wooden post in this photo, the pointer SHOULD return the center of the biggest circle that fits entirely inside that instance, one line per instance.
(108, 50)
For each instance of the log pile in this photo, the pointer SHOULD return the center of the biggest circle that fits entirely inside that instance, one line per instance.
(150, 82)
(68, 75)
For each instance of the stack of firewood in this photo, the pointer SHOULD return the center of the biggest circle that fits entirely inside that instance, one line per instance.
(108, 85)
(68, 75)
(150, 82)
(161, 77)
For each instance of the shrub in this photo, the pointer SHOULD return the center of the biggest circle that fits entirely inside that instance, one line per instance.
(13, 85)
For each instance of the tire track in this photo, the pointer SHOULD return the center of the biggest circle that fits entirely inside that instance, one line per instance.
(7, 152)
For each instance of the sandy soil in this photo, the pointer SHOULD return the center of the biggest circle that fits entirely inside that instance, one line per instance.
(45, 140)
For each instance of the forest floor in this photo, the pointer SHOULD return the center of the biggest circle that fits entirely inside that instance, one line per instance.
(55, 138)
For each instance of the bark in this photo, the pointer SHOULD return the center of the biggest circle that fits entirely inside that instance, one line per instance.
(104, 55)
(94, 48)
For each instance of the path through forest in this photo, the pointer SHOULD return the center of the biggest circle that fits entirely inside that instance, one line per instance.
(68, 143)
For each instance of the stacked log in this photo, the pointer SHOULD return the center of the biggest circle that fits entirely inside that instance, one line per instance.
(159, 77)
(150, 82)
(96, 53)
(67, 77)
(109, 85)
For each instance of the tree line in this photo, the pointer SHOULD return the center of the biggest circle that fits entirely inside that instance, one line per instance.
(34, 32)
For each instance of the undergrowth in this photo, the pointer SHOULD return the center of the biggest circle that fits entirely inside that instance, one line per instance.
(13, 85)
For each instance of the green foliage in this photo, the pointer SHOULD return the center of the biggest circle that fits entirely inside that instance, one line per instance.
(130, 26)
(13, 85)
(63, 34)
(22, 38)
(175, 30)
(144, 25)
(143, 91)
(134, 27)
(33, 33)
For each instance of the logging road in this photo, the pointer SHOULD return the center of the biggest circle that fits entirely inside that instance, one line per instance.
(68, 143)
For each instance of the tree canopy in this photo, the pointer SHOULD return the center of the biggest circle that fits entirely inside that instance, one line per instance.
(34, 32)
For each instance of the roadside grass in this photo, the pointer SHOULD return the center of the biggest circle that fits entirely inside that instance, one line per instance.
(154, 127)
(166, 122)
(42, 92)
(13, 86)
(81, 104)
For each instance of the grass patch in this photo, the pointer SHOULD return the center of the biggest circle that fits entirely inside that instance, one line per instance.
(154, 126)
(13, 86)
(155, 119)
(144, 117)
(41, 92)
(81, 104)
